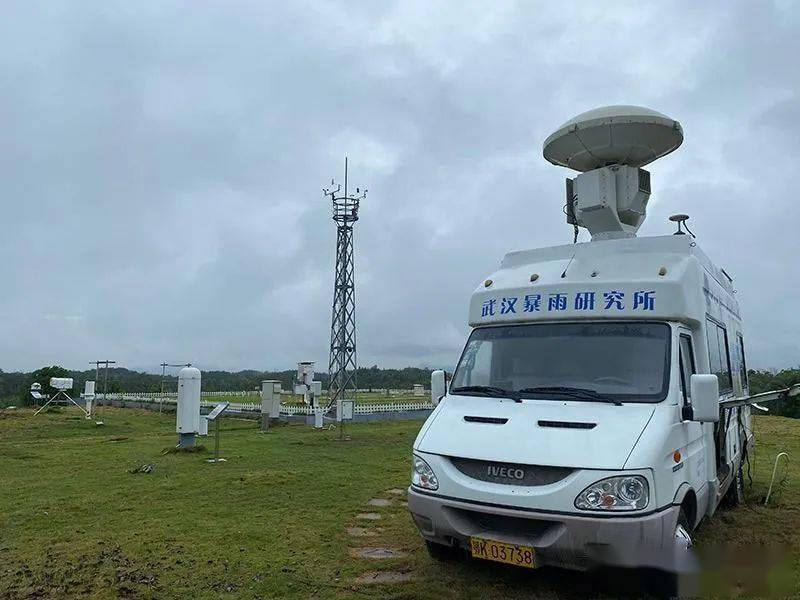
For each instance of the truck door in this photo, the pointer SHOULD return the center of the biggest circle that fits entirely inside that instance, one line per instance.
(696, 459)
(744, 390)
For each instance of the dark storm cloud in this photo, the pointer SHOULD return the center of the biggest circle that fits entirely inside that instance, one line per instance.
(161, 165)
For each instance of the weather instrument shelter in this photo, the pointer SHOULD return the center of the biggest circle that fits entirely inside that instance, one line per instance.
(61, 385)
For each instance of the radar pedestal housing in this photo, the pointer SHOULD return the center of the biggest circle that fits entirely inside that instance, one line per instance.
(609, 146)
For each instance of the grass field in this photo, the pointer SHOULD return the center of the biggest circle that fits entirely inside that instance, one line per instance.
(272, 521)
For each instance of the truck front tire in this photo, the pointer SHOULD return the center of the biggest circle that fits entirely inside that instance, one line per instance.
(441, 552)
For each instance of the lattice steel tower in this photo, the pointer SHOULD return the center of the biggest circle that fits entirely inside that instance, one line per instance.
(342, 365)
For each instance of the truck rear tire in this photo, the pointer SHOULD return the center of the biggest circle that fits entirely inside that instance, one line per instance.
(735, 494)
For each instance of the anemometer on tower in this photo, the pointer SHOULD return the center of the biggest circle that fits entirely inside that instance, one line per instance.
(609, 146)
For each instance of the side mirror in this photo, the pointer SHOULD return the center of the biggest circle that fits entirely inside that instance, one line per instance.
(705, 398)
(438, 386)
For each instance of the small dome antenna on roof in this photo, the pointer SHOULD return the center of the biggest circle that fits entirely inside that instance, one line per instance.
(681, 221)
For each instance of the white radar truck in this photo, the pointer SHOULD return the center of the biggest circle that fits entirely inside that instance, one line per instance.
(586, 421)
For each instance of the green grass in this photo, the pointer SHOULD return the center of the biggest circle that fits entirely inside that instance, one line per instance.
(270, 522)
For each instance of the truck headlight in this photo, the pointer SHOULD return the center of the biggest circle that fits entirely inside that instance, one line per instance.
(422, 475)
(628, 492)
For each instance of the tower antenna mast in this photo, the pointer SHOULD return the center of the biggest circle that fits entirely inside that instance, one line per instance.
(342, 364)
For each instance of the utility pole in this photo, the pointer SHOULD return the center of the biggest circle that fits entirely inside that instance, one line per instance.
(164, 366)
(97, 364)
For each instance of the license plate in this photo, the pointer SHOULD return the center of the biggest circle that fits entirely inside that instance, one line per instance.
(510, 554)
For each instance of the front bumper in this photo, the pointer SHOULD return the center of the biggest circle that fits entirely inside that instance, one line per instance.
(565, 540)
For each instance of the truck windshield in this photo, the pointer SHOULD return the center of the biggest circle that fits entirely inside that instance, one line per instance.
(623, 361)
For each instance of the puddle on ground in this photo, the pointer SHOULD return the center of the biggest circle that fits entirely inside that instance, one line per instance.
(384, 577)
(396, 492)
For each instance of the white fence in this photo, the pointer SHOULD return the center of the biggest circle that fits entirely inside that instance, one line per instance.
(366, 408)
(156, 395)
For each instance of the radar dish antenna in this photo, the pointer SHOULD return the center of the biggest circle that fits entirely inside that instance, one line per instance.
(609, 146)
(613, 135)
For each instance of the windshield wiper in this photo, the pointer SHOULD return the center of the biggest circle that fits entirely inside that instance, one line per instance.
(488, 390)
(573, 392)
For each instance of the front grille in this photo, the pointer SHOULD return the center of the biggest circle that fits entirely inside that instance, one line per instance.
(510, 473)
(503, 525)
(533, 531)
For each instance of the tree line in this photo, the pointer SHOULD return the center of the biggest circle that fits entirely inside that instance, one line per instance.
(765, 381)
(14, 387)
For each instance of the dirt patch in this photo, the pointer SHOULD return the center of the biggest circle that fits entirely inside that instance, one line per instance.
(396, 492)
(368, 516)
(18, 454)
(379, 502)
(376, 553)
(184, 450)
(378, 577)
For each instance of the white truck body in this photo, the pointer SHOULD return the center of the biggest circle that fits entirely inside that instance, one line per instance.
(511, 469)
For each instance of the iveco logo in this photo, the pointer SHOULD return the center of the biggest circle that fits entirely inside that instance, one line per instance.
(505, 472)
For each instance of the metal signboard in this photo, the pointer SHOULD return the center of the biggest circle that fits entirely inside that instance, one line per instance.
(348, 407)
(218, 410)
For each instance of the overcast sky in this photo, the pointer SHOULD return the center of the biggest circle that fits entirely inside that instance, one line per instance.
(161, 166)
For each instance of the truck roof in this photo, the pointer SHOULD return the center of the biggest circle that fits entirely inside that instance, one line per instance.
(664, 277)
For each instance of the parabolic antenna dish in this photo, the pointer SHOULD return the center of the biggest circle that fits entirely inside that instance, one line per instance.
(613, 135)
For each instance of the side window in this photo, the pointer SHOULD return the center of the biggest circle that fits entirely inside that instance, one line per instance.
(725, 378)
(714, 359)
(687, 367)
(718, 356)
(742, 363)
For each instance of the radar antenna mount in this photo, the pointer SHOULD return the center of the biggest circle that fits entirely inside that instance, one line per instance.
(609, 146)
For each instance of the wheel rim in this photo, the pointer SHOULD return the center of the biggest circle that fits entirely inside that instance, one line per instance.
(683, 538)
